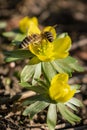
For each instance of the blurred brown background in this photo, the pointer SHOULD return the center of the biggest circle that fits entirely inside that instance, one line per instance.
(71, 17)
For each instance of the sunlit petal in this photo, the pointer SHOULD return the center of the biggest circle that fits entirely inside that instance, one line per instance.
(60, 91)
(61, 47)
(29, 25)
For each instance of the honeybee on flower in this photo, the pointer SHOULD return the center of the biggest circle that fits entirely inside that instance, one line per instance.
(37, 38)
(44, 44)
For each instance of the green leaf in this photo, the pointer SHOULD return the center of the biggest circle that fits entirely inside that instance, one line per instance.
(33, 99)
(37, 73)
(35, 108)
(71, 106)
(68, 115)
(43, 83)
(18, 39)
(17, 55)
(48, 70)
(77, 87)
(3, 24)
(9, 34)
(34, 60)
(62, 35)
(67, 65)
(52, 117)
(10, 59)
(27, 72)
(57, 67)
(38, 89)
(25, 85)
(76, 102)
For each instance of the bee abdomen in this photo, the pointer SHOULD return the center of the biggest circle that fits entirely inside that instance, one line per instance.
(26, 42)
(49, 36)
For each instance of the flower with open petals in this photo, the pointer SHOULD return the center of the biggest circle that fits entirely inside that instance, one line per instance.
(27, 23)
(59, 90)
(48, 51)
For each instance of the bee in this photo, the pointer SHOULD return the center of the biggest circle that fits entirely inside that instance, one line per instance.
(37, 38)
(48, 36)
(34, 38)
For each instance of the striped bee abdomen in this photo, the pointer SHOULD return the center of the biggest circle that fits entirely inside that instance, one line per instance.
(48, 35)
(27, 40)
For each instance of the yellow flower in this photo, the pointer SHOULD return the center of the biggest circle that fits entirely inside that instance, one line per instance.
(48, 51)
(26, 23)
(59, 90)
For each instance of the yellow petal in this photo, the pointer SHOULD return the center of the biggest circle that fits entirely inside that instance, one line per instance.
(60, 77)
(34, 60)
(61, 47)
(67, 96)
(23, 24)
(33, 29)
(60, 91)
(34, 20)
(29, 25)
(42, 50)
